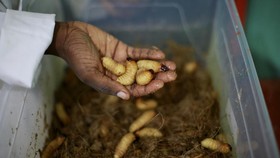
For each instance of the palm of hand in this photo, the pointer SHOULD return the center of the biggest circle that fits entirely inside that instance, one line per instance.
(84, 45)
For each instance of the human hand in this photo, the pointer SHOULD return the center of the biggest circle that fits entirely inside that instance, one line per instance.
(82, 46)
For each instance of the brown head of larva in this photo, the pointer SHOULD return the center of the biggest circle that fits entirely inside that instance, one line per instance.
(164, 68)
(225, 148)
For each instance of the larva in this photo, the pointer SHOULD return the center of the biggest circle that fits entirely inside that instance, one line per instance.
(216, 145)
(151, 65)
(221, 137)
(149, 132)
(143, 77)
(142, 120)
(190, 67)
(123, 145)
(114, 67)
(110, 100)
(61, 114)
(146, 104)
(104, 130)
(52, 147)
(128, 77)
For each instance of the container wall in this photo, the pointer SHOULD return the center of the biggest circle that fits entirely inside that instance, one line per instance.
(44, 6)
(243, 110)
(192, 18)
(2, 7)
(9, 4)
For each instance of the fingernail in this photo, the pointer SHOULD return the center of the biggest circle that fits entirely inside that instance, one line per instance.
(122, 95)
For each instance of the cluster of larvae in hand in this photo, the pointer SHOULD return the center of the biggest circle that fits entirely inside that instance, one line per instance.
(141, 71)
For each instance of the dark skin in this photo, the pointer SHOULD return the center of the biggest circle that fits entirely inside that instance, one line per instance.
(83, 45)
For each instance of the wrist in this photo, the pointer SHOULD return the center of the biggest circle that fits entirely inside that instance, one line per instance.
(59, 36)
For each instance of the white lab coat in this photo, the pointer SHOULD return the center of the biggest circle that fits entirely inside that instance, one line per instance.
(22, 111)
(24, 37)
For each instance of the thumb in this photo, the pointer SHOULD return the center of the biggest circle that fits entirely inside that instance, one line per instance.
(104, 84)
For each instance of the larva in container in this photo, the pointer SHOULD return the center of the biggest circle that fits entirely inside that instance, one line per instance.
(146, 104)
(216, 145)
(142, 120)
(128, 77)
(52, 147)
(123, 145)
(151, 65)
(143, 77)
(149, 132)
(190, 67)
(104, 130)
(114, 67)
(61, 114)
(221, 137)
(111, 100)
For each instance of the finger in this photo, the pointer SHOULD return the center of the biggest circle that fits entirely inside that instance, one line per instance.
(166, 76)
(144, 53)
(137, 90)
(119, 49)
(170, 64)
(104, 84)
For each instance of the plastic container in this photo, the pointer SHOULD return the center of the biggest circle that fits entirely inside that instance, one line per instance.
(214, 30)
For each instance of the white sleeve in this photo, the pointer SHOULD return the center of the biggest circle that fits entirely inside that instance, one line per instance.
(24, 37)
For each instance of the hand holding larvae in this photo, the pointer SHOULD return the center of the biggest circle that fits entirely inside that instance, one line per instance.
(83, 45)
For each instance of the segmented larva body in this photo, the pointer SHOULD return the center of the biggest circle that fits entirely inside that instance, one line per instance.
(216, 145)
(128, 77)
(114, 67)
(142, 120)
(149, 132)
(123, 145)
(61, 114)
(143, 77)
(52, 147)
(149, 65)
(146, 104)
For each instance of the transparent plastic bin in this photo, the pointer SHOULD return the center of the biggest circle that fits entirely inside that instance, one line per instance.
(212, 27)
